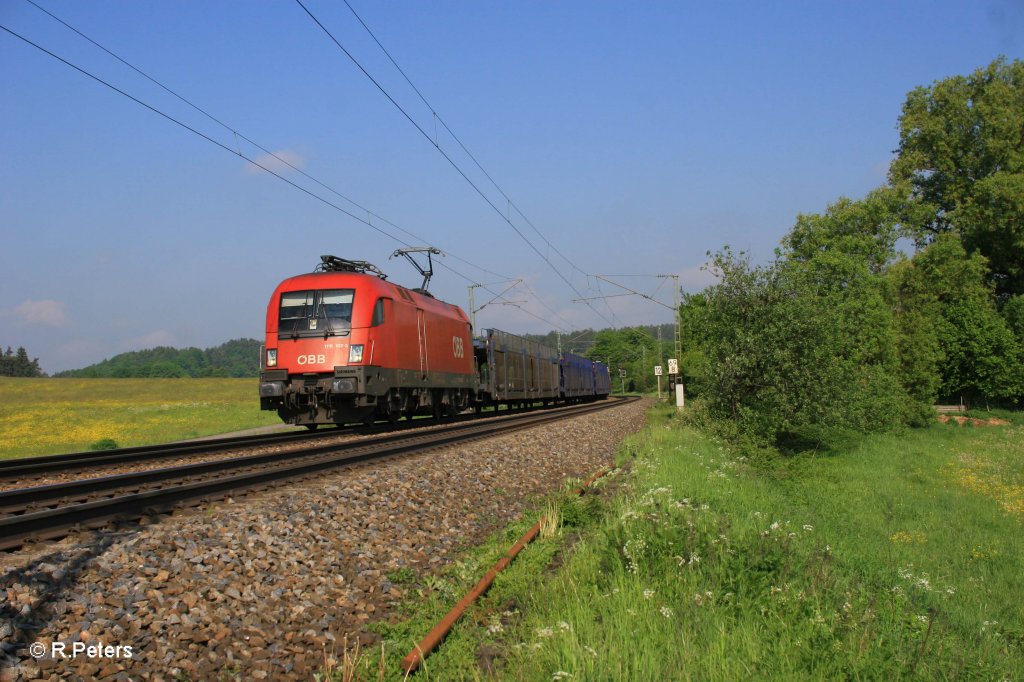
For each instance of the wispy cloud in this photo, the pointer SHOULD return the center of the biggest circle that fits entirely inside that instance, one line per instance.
(279, 162)
(42, 313)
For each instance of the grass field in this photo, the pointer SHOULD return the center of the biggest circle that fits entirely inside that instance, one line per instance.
(47, 416)
(898, 558)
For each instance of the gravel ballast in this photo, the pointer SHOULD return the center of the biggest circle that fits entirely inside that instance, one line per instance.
(262, 586)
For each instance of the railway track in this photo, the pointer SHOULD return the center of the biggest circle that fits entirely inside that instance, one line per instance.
(32, 467)
(52, 511)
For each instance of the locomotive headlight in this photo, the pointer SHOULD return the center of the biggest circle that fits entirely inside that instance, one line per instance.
(271, 357)
(355, 353)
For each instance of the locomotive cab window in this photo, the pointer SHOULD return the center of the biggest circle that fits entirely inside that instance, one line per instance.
(315, 312)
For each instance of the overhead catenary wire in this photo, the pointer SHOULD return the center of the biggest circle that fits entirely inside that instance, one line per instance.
(235, 152)
(440, 119)
(448, 158)
(239, 135)
(234, 131)
(635, 292)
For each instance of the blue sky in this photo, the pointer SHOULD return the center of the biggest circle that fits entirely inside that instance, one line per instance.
(635, 137)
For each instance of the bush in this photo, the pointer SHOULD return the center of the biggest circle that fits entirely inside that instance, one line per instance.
(801, 348)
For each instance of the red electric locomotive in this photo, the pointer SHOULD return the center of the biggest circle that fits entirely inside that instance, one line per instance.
(344, 345)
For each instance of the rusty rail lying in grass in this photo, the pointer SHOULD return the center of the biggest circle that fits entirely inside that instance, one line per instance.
(434, 638)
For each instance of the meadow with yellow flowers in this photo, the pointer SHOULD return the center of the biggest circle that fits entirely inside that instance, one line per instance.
(50, 416)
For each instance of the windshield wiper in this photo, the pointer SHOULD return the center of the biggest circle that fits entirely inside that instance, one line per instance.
(323, 307)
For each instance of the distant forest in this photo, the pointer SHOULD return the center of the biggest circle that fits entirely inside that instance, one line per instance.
(580, 342)
(236, 358)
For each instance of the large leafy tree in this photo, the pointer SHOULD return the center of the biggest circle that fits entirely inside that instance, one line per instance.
(961, 160)
(867, 230)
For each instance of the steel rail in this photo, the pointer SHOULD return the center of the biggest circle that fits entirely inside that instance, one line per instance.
(30, 498)
(178, 487)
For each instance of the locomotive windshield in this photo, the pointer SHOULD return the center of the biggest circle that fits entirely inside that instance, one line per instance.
(315, 312)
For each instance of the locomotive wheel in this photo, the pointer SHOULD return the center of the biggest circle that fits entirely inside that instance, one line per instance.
(312, 427)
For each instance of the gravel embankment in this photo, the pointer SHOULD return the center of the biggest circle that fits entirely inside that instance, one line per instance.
(261, 587)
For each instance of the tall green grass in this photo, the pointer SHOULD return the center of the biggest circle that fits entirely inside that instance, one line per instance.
(899, 557)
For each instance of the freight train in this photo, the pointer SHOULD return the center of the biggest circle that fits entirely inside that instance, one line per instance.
(344, 345)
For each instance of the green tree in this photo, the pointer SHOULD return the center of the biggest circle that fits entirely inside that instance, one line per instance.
(917, 313)
(17, 364)
(693, 364)
(1013, 313)
(633, 349)
(981, 357)
(867, 230)
(961, 162)
(163, 369)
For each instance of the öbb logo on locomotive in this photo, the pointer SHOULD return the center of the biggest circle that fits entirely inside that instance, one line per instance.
(344, 345)
(311, 359)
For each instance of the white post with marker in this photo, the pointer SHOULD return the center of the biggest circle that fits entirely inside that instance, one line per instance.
(673, 369)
